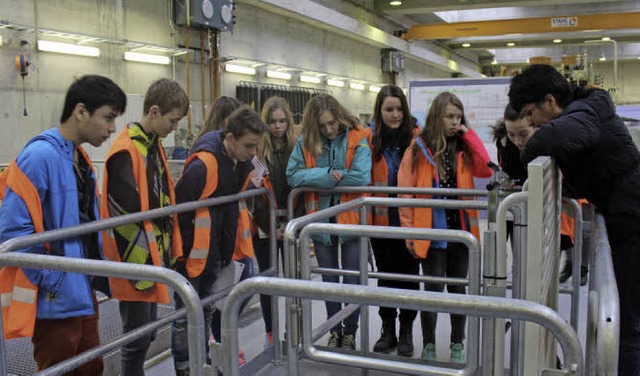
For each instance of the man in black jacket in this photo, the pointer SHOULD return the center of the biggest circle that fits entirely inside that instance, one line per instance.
(581, 131)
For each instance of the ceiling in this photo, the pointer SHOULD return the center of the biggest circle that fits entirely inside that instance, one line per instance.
(531, 26)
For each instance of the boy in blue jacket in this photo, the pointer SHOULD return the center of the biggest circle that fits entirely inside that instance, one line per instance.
(61, 173)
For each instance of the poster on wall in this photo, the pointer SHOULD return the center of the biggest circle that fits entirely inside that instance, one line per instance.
(484, 100)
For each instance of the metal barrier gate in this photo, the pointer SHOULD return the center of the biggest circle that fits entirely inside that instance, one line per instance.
(193, 305)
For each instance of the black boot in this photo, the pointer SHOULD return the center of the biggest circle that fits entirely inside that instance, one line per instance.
(405, 340)
(388, 340)
(566, 271)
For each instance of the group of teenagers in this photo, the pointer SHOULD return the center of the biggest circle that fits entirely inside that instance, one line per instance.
(51, 185)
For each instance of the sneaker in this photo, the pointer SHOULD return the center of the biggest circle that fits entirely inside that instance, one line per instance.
(457, 353)
(429, 352)
(268, 339)
(334, 341)
(348, 342)
(182, 372)
(212, 340)
(241, 359)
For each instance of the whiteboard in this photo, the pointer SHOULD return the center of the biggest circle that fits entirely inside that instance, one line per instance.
(484, 101)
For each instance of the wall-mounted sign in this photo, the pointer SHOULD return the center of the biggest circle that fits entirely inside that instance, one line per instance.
(564, 22)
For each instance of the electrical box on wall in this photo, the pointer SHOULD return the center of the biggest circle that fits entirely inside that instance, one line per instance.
(208, 14)
(391, 61)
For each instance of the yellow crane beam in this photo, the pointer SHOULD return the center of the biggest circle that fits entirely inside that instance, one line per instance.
(556, 24)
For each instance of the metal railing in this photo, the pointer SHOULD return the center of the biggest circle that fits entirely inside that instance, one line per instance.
(195, 326)
(603, 314)
(408, 299)
(291, 254)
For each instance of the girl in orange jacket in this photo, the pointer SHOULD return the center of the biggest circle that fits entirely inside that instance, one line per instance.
(446, 154)
(393, 131)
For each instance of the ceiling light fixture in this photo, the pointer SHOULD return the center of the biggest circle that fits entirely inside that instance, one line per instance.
(241, 69)
(334, 82)
(557, 41)
(395, 3)
(67, 48)
(146, 58)
(465, 45)
(374, 88)
(604, 58)
(494, 62)
(356, 86)
(510, 44)
(310, 79)
(606, 39)
(279, 75)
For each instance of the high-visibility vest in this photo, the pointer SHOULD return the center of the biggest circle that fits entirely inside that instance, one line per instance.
(123, 289)
(423, 217)
(244, 234)
(197, 259)
(312, 199)
(380, 178)
(19, 295)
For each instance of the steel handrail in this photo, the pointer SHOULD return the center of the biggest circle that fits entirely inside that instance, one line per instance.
(407, 299)
(195, 316)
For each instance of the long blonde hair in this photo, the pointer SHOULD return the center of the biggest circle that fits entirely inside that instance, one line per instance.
(311, 119)
(266, 145)
(434, 137)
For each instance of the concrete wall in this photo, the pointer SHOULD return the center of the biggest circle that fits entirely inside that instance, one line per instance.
(258, 35)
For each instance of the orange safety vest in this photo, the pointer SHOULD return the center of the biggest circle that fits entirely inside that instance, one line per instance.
(312, 199)
(423, 217)
(19, 295)
(380, 178)
(197, 259)
(123, 289)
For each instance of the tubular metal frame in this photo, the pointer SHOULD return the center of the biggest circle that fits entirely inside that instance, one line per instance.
(408, 299)
(195, 326)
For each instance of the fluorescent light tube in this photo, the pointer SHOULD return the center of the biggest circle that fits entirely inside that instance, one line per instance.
(146, 58)
(310, 79)
(356, 86)
(279, 75)
(336, 83)
(239, 69)
(374, 88)
(66, 48)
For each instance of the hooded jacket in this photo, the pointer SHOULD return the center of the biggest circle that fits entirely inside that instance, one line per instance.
(47, 161)
(598, 159)
(224, 218)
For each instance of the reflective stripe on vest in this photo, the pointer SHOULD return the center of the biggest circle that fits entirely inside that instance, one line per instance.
(19, 295)
(202, 230)
(244, 239)
(312, 199)
(124, 289)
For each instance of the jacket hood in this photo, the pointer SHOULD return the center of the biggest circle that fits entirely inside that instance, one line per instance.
(63, 146)
(499, 130)
(598, 99)
(210, 142)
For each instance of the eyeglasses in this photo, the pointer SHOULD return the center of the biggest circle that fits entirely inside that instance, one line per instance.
(527, 111)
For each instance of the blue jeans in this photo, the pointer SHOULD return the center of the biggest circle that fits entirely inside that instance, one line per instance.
(203, 284)
(216, 316)
(133, 354)
(328, 257)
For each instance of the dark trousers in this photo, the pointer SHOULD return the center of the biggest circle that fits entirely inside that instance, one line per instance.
(450, 262)
(60, 339)
(261, 248)
(349, 257)
(133, 354)
(626, 263)
(392, 256)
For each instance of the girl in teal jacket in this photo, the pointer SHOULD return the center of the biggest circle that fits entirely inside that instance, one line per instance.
(332, 151)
